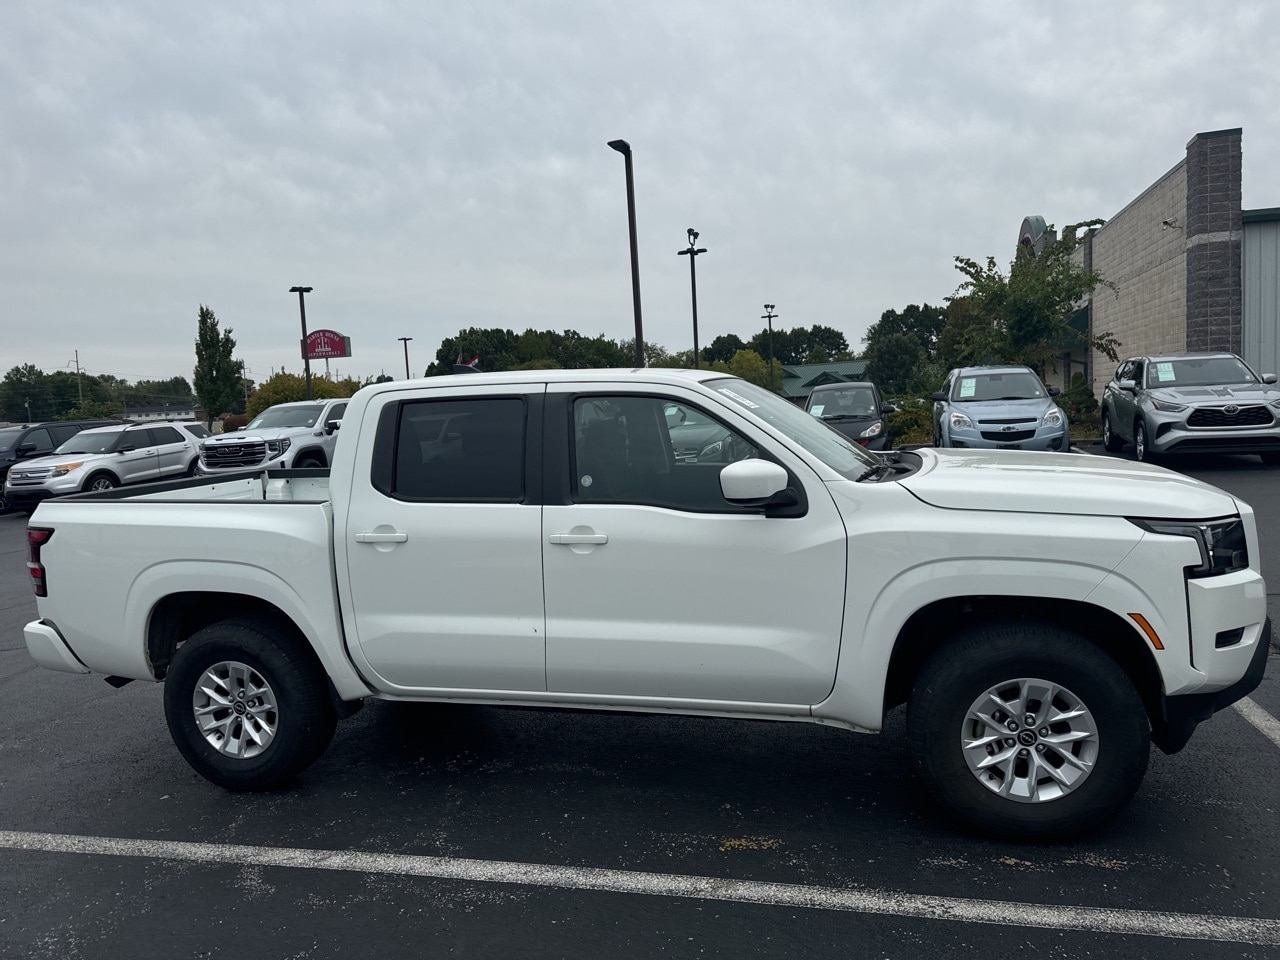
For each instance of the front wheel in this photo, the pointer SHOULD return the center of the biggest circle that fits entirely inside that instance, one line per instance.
(1027, 731)
(99, 482)
(1110, 442)
(1140, 448)
(247, 705)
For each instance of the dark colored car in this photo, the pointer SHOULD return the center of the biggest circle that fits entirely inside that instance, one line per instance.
(854, 409)
(29, 440)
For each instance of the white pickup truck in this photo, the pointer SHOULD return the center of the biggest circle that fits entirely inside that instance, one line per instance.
(533, 538)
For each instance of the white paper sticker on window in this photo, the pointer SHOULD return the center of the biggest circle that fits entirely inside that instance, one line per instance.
(817, 409)
(967, 386)
(1164, 372)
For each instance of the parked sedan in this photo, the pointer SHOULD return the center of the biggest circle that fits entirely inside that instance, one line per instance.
(1007, 408)
(855, 410)
(1191, 403)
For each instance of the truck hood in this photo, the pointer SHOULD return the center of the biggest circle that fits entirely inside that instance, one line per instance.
(1021, 482)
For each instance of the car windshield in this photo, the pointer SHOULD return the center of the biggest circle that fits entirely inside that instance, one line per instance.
(9, 437)
(834, 449)
(303, 416)
(845, 402)
(1198, 372)
(90, 441)
(1014, 385)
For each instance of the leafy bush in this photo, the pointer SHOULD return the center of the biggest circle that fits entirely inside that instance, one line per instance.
(913, 422)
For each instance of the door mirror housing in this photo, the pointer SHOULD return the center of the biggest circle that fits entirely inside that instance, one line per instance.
(940, 396)
(752, 483)
(1130, 385)
(1053, 391)
(1268, 378)
(331, 426)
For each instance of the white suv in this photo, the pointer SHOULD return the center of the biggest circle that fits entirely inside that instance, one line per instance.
(102, 458)
(301, 434)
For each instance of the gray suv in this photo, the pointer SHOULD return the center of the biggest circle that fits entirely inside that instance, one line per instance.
(1191, 403)
(1005, 408)
(28, 440)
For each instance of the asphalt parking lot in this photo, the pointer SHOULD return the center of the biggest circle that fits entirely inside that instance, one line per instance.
(432, 830)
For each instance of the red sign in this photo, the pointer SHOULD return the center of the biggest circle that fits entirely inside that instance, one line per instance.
(323, 344)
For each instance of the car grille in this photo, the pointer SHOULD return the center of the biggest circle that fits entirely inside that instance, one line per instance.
(231, 456)
(33, 475)
(1254, 416)
(1011, 436)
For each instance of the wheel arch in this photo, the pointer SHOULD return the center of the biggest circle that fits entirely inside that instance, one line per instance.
(312, 453)
(935, 624)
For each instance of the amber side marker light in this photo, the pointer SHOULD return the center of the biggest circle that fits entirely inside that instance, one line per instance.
(1149, 630)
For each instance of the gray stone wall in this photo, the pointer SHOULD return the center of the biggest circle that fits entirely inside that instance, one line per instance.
(1145, 260)
(1215, 233)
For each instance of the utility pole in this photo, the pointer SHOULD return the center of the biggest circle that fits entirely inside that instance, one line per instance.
(692, 253)
(302, 309)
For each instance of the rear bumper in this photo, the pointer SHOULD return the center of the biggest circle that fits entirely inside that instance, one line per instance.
(47, 648)
(1183, 713)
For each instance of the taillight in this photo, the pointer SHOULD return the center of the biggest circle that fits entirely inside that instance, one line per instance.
(37, 537)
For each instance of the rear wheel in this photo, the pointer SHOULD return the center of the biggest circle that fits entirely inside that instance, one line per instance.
(247, 705)
(1110, 442)
(1027, 731)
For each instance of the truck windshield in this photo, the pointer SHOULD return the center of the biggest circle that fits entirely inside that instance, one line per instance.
(303, 416)
(834, 449)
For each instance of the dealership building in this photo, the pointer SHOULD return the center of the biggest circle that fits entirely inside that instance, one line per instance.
(1190, 269)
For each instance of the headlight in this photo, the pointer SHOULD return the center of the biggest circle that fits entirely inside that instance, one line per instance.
(277, 447)
(1222, 544)
(1276, 404)
(873, 430)
(62, 469)
(959, 421)
(1053, 418)
(1164, 406)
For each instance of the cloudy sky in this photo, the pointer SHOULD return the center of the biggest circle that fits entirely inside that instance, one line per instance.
(431, 166)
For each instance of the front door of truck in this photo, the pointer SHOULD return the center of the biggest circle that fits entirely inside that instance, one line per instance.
(656, 586)
(442, 542)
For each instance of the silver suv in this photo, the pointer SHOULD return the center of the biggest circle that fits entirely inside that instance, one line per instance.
(102, 458)
(298, 434)
(1191, 403)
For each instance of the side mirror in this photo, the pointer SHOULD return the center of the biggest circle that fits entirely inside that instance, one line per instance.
(1268, 378)
(26, 450)
(940, 396)
(128, 448)
(752, 483)
(1129, 385)
(1054, 391)
(888, 408)
(332, 425)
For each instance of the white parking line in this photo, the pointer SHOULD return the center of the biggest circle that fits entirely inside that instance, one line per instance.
(1266, 724)
(1182, 926)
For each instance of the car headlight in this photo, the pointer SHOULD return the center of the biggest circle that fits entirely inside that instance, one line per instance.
(1164, 406)
(1276, 403)
(277, 447)
(873, 430)
(1222, 544)
(959, 421)
(1052, 419)
(62, 469)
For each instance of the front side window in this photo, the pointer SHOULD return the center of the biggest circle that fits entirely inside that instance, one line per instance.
(470, 449)
(651, 450)
(40, 440)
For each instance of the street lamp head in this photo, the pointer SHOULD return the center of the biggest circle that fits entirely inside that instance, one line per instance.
(769, 307)
(621, 146)
(299, 289)
(693, 235)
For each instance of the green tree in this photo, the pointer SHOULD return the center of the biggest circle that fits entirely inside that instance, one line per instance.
(94, 410)
(216, 375)
(289, 387)
(1023, 316)
(25, 395)
(723, 347)
(893, 360)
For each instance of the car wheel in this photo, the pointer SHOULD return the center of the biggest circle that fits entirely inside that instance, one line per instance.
(1027, 731)
(247, 705)
(99, 482)
(192, 467)
(1140, 449)
(309, 461)
(1110, 442)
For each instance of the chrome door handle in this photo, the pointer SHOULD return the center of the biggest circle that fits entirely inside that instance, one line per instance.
(381, 537)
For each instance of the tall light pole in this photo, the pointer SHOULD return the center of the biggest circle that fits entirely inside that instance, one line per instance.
(405, 341)
(769, 315)
(302, 309)
(624, 148)
(692, 253)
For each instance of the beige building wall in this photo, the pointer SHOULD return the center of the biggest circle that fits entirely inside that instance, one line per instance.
(1142, 250)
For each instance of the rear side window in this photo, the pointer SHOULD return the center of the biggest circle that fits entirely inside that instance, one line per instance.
(468, 449)
(162, 435)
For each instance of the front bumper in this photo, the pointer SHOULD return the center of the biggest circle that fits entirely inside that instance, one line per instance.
(1168, 433)
(1045, 439)
(1181, 715)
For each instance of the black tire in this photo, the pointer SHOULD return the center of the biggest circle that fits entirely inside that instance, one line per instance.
(1110, 442)
(1141, 448)
(998, 655)
(192, 467)
(99, 482)
(311, 460)
(274, 665)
